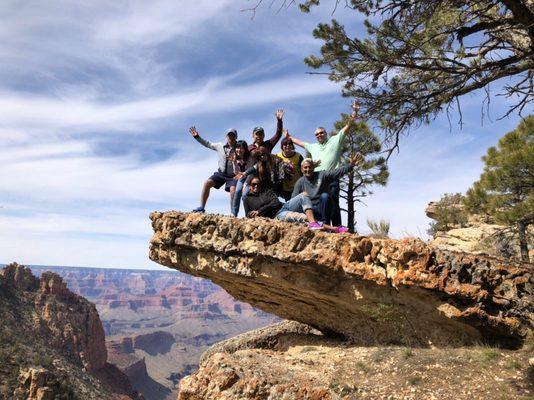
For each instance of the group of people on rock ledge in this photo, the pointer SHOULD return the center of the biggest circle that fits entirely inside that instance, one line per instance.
(309, 186)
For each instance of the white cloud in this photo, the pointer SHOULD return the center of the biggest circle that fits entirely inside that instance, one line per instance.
(143, 24)
(75, 72)
(71, 250)
(24, 112)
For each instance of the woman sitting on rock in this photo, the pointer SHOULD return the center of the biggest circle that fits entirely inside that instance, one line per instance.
(261, 201)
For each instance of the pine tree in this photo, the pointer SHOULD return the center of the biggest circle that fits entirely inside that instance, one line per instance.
(373, 171)
(505, 189)
(449, 213)
(420, 57)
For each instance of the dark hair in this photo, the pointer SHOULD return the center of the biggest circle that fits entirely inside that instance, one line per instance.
(285, 141)
(243, 144)
(264, 166)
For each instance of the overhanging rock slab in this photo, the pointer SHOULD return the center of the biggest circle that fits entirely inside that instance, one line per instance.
(368, 290)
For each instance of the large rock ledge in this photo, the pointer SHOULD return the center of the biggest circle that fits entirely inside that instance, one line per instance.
(368, 290)
(292, 361)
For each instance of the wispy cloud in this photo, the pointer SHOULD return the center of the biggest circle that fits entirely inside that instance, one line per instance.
(25, 112)
(96, 98)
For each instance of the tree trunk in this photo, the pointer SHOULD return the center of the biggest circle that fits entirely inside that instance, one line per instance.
(350, 202)
(523, 244)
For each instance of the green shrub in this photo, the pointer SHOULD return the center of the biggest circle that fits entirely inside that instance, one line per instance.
(449, 213)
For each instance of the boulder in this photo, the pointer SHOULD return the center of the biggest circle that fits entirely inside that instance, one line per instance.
(368, 290)
(287, 361)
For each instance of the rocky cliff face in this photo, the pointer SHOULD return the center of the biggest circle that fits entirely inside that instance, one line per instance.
(165, 318)
(368, 290)
(479, 235)
(293, 361)
(133, 302)
(53, 328)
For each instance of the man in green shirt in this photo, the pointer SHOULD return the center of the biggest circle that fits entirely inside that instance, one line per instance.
(328, 151)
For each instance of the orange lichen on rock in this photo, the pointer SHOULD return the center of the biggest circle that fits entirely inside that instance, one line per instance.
(366, 289)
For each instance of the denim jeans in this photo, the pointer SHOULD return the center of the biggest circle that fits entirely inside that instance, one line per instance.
(322, 210)
(298, 204)
(237, 196)
(335, 211)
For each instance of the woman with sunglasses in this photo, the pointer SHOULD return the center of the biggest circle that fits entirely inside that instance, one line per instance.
(267, 168)
(291, 161)
(263, 202)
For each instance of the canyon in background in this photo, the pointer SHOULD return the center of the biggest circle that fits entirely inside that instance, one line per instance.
(158, 323)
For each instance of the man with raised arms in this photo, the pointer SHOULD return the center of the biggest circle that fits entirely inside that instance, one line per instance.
(328, 151)
(258, 135)
(225, 173)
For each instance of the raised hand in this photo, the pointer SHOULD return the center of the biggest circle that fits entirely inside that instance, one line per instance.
(316, 163)
(286, 134)
(279, 114)
(356, 159)
(193, 131)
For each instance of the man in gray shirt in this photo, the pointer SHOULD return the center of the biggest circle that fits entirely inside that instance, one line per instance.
(317, 185)
(225, 173)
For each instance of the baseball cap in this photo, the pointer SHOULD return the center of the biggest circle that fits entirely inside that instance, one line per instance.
(258, 129)
(232, 131)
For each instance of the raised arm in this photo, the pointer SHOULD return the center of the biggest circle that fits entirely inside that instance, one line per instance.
(206, 143)
(298, 142)
(279, 127)
(352, 117)
(337, 173)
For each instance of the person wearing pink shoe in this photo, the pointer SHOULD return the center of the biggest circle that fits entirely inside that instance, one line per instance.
(317, 183)
(263, 202)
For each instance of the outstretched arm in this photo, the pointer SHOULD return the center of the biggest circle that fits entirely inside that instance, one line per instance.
(353, 115)
(206, 143)
(298, 142)
(250, 171)
(337, 173)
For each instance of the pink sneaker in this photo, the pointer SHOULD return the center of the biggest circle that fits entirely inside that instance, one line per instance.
(315, 226)
(342, 229)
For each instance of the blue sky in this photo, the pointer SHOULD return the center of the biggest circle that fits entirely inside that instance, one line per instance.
(96, 99)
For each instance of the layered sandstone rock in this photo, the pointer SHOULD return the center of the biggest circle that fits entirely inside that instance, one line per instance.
(368, 290)
(154, 342)
(479, 235)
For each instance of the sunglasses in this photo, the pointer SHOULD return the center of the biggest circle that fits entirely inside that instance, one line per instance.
(320, 133)
(288, 144)
(254, 184)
